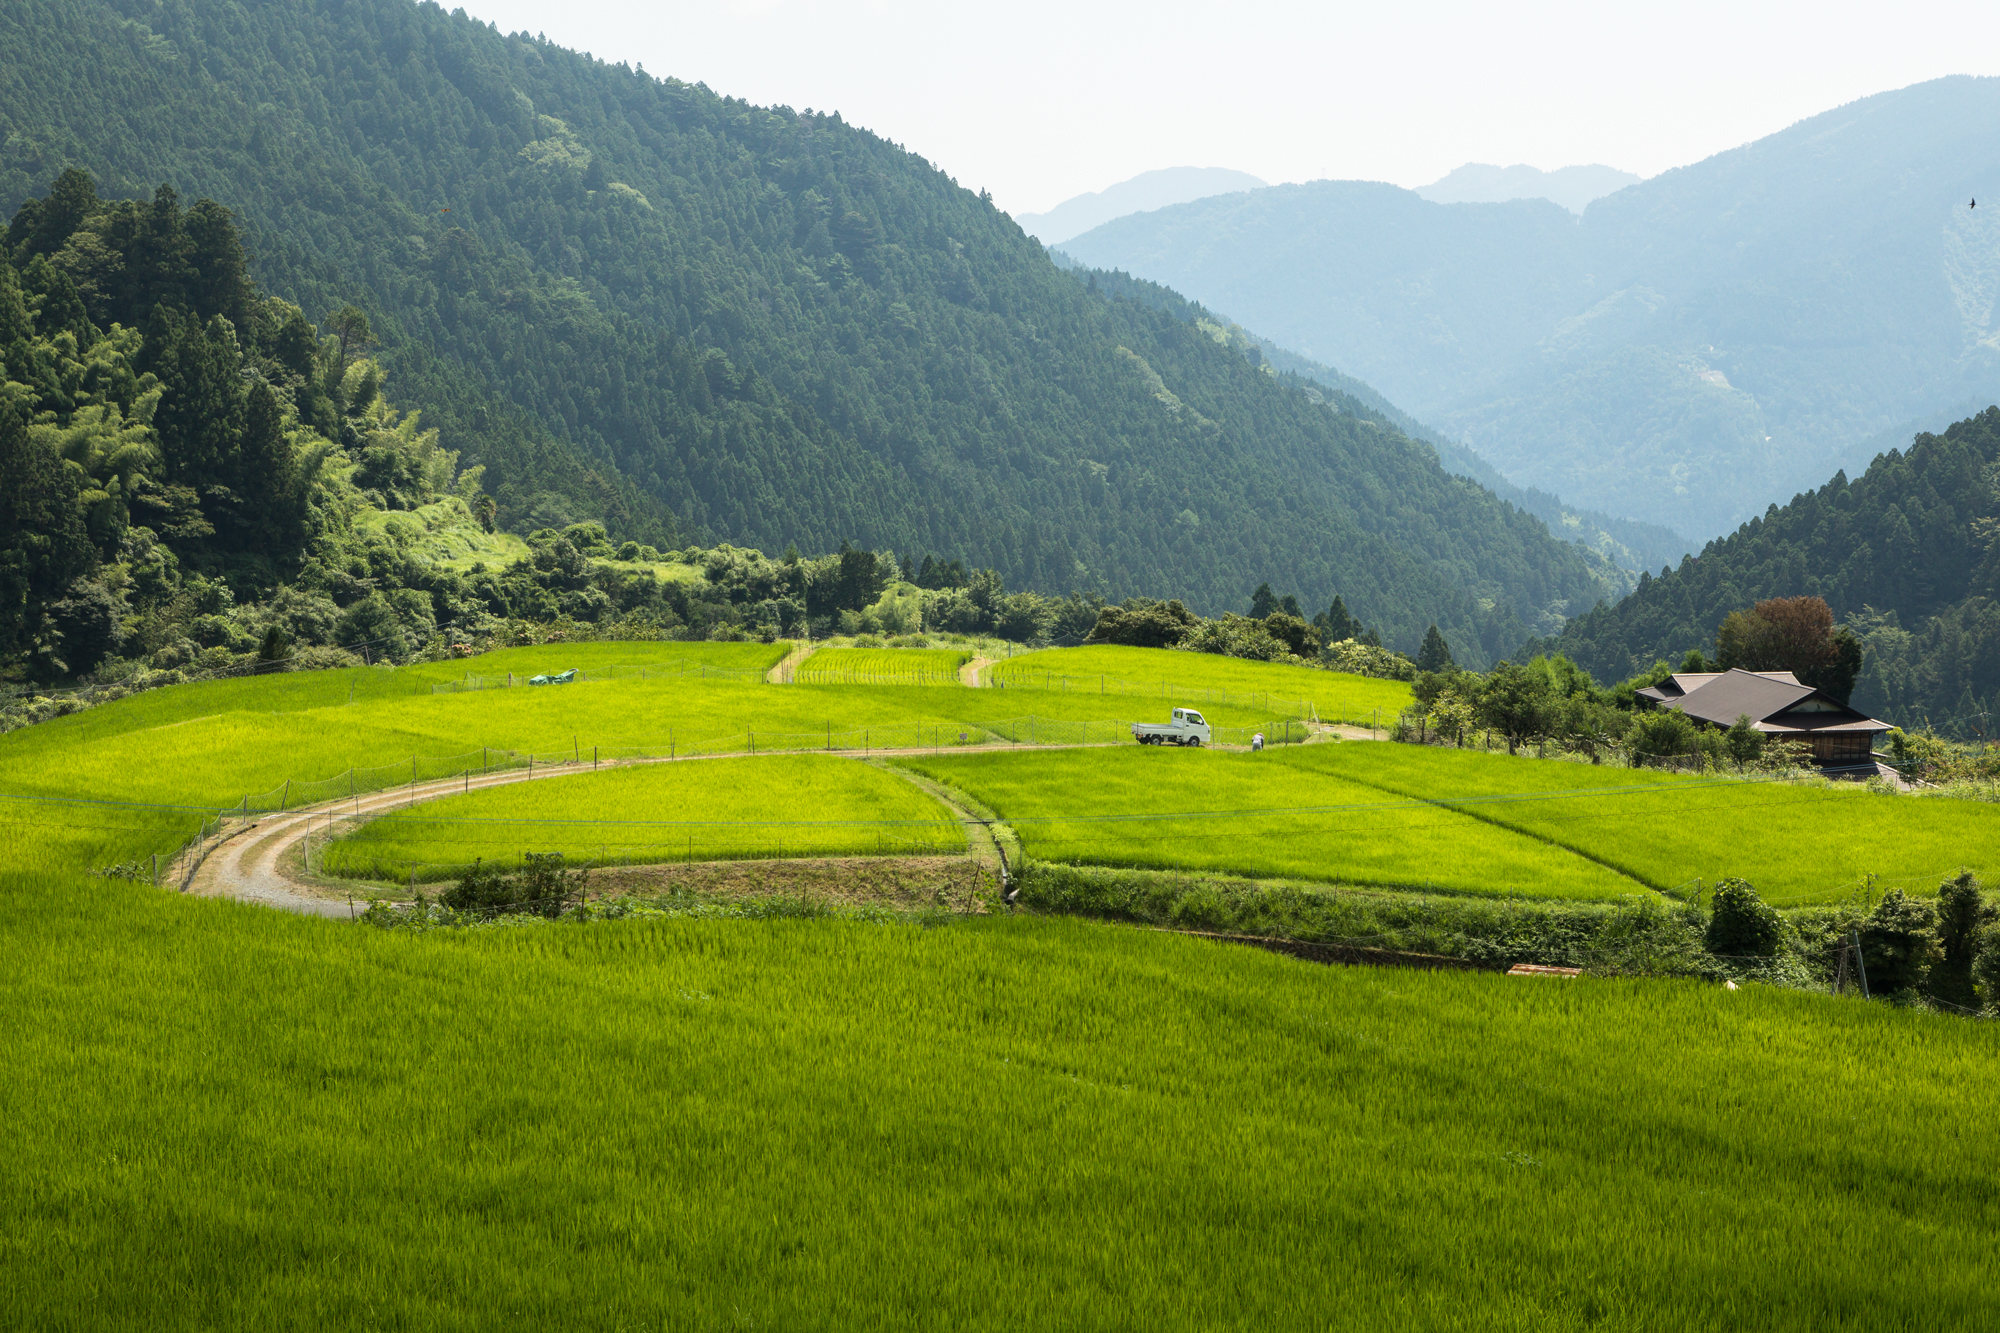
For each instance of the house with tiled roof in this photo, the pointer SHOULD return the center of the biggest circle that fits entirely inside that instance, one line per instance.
(1777, 705)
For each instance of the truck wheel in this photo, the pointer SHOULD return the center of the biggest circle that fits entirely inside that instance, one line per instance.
(1195, 741)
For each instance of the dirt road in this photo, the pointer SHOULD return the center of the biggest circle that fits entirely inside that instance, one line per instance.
(263, 861)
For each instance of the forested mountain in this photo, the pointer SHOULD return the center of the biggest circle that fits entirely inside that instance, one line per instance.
(1627, 547)
(1905, 555)
(635, 300)
(1695, 346)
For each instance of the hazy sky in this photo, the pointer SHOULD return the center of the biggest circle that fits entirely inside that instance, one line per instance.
(1039, 101)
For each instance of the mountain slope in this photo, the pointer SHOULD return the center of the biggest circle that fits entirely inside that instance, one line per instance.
(1693, 347)
(1905, 554)
(747, 323)
(1148, 190)
(1572, 187)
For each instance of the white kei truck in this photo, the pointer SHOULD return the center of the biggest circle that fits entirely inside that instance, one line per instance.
(1187, 728)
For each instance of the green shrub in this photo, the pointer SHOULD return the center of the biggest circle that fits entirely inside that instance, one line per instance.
(1962, 910)
(543, 888)
(1986, 967)
(1742, 925)
(1899, 945)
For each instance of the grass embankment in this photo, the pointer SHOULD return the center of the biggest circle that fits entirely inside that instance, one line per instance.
(700, 810)
(1116, 807)
(1170, 677)
(1799, 844)
(222, 1117)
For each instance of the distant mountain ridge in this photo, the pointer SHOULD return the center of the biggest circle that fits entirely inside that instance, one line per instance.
(1572, 187)
(1144, 192)
(1692, 348)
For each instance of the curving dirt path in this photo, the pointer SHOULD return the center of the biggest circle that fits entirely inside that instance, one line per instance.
(262, 862)
(968, 675)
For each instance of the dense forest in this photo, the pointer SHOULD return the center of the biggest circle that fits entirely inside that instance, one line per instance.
(193, 479)
(1905, 555)
(633, 301)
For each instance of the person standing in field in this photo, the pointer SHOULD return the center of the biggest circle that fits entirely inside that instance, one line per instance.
(1257, 742)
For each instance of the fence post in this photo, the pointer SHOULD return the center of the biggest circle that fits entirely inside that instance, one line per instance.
(413, 770)
(593, 758)
(286, 799)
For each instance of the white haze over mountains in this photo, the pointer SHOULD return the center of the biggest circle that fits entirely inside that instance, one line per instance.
(1572, 187)
(1142, 194)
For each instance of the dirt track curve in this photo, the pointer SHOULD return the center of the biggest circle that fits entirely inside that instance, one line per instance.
(260, 862)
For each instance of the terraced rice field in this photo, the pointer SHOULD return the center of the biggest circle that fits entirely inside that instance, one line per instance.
(1797, 844)
(278, 741)
(1243, 813)
(1169, 676)
(697, 810)
(222, 1117)
(1463, 821)
(883, 666)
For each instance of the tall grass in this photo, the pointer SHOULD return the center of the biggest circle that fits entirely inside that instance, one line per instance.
(711, 810)
(1116, 807)
(226, 1118)
(1171, 677)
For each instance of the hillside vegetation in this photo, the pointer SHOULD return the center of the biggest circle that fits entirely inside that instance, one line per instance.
(1694, 347)
(635, 301)
(1903, 554)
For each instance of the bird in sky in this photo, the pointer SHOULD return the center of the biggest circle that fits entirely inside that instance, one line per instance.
(1975, 203)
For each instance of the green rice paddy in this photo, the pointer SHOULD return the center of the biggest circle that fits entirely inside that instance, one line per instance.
(1117, 807)
(698, 810)
(1797, 843)
(1170, 677)
(1464, 821)
(228, 1118)
(883, 666)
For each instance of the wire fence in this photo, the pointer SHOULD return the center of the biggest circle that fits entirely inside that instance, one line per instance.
(1005, 675)
(1029, 730)
(809, 674)
(679, 669)
(347, 860)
